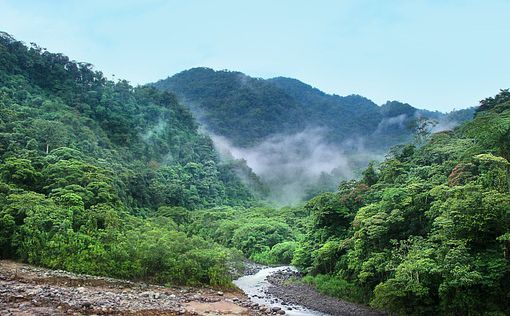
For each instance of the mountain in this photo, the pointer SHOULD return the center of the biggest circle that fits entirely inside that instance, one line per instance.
(426, 231)
(344, 117)
(298, 139)
(231, 104)
(248, 110)
(96, 174)
(103, 178)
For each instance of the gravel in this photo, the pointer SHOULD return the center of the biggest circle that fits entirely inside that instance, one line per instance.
(285, 287)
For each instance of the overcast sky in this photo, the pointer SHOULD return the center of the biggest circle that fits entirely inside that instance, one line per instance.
(436, 54)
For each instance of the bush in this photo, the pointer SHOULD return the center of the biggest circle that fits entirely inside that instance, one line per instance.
(335, 286)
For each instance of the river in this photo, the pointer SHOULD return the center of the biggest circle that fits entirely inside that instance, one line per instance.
(255, 287)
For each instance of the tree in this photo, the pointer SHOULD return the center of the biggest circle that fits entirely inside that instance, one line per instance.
(53, 134)
(20, 172)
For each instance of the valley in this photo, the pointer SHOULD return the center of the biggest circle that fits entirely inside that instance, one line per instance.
(149, 199)
(297, 139)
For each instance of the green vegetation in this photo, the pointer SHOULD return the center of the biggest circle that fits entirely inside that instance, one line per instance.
(263, 234)
(425, 232)
(248, 110)
(334, 286)
(300, 140)
(89, 167)
(104, 178)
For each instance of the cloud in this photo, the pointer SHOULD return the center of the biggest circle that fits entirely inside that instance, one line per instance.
(444, 125)
(292, 163)
(158, 128)
(305, 151)
(391, 122)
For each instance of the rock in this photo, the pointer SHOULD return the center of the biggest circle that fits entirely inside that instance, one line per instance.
(220, 293)
(275, 308)
(280, 312)
(151, 294)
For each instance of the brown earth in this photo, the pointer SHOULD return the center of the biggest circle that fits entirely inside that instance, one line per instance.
(29, 290)
(286, 286)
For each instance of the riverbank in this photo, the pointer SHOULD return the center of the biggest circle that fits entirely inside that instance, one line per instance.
(296, 293)
(29, 290)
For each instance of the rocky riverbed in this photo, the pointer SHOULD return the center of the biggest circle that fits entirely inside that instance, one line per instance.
(292, 293)
(28, 290)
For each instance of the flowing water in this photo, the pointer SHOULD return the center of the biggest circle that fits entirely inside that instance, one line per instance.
(255, 285)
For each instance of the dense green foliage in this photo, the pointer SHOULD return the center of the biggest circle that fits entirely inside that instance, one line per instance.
(299, 139)
(104, 178)
(87, 167)
(425, 232)
(248, 110)
(232, 104)
(265, 235)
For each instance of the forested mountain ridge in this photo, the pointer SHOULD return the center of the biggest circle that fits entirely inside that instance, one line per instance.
(84, 160)
(425, 232)
(299, 140)
(230, 103)
(248, 110)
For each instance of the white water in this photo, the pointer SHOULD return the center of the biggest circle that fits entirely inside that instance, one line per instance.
(255, 285)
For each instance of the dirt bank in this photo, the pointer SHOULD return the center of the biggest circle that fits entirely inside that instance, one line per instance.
(28, 290)
(295, 293)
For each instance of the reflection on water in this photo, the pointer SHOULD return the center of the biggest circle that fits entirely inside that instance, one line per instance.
(255, 285)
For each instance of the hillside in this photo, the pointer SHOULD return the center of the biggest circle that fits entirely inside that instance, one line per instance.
(298, 139)
(427, 230)
(248, 110)
(94, 173)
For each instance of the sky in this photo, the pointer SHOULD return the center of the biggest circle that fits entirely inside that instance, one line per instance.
(435, 54)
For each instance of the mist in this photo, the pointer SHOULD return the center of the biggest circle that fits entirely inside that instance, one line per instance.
(392, 122)
(444, 125)
(152, 131)
(293, 164)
